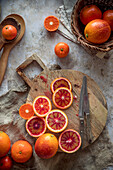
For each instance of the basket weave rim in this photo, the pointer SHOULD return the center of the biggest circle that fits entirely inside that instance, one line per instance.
(81, 39)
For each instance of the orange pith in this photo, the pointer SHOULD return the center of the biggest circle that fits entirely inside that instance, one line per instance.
(62, 98)
(42, 105)
(51, 23)
(36, 126)
(56, 120)
(69, 141)
(26, 111)
(60, 82)
(21, 151)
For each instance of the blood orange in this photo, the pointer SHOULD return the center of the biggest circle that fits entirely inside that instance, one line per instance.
(5, 143)
(89, 13)
(97, 31)
(56, 120)
(62, 98)
(108, 16)
(46, 146)
(9, 32)
(26, 111)
(69, 141)
(60, 82)
(36, 126)
(61, 49)
(42, 105)
(21, 151)
(51, 23)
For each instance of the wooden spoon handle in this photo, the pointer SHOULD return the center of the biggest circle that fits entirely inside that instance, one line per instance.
(1, 44)
(3, 63)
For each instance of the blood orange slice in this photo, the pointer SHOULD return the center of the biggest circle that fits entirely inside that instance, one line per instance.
(56, 120)
(60, 82)
(62, 98)
(42, 105)
(51, 23)
(36, 126)
(26, 111)
(69, 141)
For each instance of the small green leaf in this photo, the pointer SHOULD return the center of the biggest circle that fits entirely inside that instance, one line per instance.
(87, 35)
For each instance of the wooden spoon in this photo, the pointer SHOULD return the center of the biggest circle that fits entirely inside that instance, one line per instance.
(8, 46)
(8, 21)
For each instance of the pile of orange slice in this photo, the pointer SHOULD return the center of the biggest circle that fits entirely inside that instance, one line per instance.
(53, 119)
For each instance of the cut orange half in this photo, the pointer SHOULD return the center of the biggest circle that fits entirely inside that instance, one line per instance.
(62, 98)
(26, 111)
(42, 105)
(60, 82)
(51, 23)
(56, 120)
(69, 141)
(36, 126)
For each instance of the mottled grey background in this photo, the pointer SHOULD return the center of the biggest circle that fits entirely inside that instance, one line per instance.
(38, 40)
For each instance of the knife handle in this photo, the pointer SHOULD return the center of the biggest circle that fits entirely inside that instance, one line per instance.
(82, 130)
(89, 132)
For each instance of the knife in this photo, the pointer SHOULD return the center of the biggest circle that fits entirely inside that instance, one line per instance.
(81, 112)
(87, 112)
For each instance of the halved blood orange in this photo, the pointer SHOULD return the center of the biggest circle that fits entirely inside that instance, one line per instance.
(60, 82)
(56, 120)
(51, 23)
(69, 141)
(42, 105)
(26, 111)
(36, 126)
(62, 98)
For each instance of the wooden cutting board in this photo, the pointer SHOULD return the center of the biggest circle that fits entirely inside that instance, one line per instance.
(40, 85)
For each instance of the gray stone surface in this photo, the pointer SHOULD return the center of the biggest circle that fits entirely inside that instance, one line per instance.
(38, 40)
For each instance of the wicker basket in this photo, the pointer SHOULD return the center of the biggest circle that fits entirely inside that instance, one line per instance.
(78, 28)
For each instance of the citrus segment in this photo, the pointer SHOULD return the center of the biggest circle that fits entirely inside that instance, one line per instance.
(62, 98)
(56, 120)
(5, 143)
(36, 126)
(46, 146)
(51, 23)
(21, 151)
(26, 111)
(42, 105)
(69, 141)
(60, 82)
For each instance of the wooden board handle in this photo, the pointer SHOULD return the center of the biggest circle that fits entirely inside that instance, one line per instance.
(3, 63)
(19, 69)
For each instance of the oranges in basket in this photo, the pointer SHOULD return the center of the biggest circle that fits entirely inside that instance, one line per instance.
(98, 26)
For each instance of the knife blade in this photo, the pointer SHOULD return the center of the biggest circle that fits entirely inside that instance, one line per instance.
(87, 112)
(81, 113)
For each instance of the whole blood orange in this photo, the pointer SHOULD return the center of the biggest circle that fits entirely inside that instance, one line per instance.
(69, 141)
(42, 105)
(51, 23)
(6, 163)
(46, 146)
(60, 82)
(89, 13)
(97, 31)
(36, 126)
(108, 16)
(62, 98)
(26, 111)
(5, 143)
(61, 49)
(56, 120)
(21, 151)
(9, 32)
